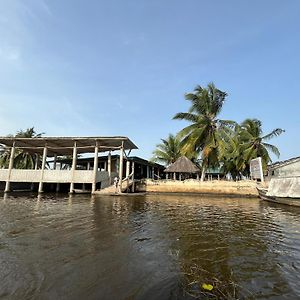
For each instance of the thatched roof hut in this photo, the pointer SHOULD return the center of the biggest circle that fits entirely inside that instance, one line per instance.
(182, 165)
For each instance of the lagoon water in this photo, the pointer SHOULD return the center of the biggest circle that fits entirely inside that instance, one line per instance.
(147, 247)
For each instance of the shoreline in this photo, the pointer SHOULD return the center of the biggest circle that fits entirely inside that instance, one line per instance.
(244, 188)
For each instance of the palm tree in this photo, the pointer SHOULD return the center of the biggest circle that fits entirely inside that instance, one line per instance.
(22, 158)
(168, 151)
(204, 134)
(254, 142)
(232, 158)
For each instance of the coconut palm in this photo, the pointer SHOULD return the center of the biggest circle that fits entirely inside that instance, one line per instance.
(22, 158)
(204, 134)
(254, 142)
(168, 151)
(232, 158)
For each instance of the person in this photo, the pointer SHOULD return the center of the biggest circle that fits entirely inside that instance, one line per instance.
(116, 181)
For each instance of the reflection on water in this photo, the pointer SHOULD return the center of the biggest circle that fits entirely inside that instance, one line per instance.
(143, 247)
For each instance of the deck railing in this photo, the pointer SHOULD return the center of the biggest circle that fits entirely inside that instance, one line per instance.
(53, 176)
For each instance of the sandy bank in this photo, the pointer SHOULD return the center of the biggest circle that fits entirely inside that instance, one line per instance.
(242, 188)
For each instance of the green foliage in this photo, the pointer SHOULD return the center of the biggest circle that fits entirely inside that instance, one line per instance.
(168, 151)
(218, 142)
(22, 158)
(204, 134)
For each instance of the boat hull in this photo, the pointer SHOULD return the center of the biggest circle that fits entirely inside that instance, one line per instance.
(281, 200)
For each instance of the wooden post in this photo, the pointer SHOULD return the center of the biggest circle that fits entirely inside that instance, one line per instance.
(43, 168)
(95, 167)
(198, 176)
(88, 166)
(109, 166)
(148, 172)
(152, 172)
(180, 176)
(174, 176)
(121, 167)
(10, 166)
(74, 162)
(167, 175)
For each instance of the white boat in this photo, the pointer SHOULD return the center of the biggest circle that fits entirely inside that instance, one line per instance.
(283, 190)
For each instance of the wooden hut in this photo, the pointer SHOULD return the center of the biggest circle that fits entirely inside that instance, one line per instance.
(183, 167)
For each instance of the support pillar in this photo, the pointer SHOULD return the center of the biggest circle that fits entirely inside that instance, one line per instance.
(95, 167)
(10, 166)
(127, 173)
(105, 166)
(74, 162)
(109, 166)
(127, 168)
(88, 166)
(148, 172)
(42, 170)
(174, 176)
(121, 167)
(132, 171)
(152, 170)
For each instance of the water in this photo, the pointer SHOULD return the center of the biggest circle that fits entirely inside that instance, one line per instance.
(147, 247)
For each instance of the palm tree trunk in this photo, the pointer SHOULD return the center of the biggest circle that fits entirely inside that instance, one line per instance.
(202, 174)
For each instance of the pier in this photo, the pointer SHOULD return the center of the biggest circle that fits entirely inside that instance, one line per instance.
(57, 148)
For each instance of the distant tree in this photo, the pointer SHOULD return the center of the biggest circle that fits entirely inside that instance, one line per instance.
(254, 142)
(22, 159)
(168, 151)
(204, 134)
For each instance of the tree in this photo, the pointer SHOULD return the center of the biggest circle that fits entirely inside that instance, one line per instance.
(204, 134)
(168, 151)
(22, 159)
(254, 142)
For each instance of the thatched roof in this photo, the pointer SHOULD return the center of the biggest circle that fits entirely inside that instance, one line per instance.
(182, 165)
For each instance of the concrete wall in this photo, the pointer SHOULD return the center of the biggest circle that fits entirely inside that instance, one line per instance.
(53, 176)
(289, 170)
(243, 188)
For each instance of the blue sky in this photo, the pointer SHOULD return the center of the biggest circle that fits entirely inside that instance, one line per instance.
(122, 67)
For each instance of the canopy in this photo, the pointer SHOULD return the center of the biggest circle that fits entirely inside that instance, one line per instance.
(64, 145)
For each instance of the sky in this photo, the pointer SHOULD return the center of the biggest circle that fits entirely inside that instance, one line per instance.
(105, 68)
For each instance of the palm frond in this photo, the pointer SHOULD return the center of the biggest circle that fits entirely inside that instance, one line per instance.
(274, 133)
